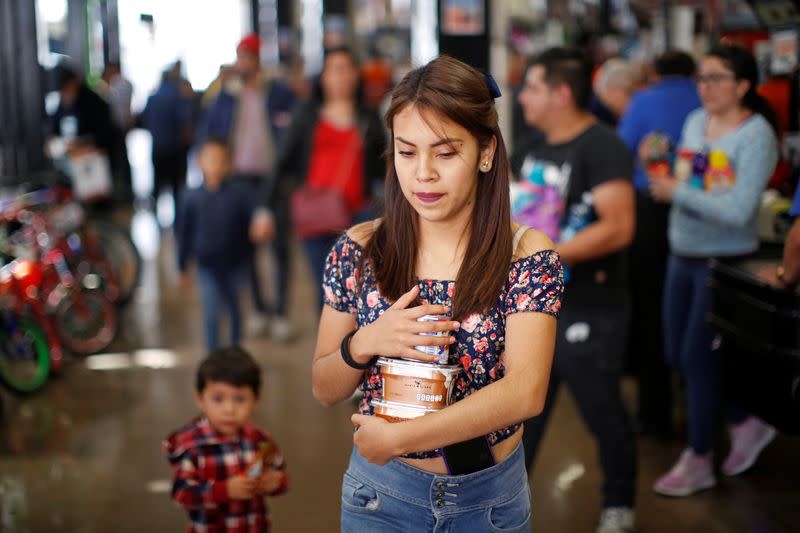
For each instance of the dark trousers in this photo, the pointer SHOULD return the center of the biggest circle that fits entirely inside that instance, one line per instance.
(221, 289)
(121, 168)
(281, 250)
(169, 173)
(689, 336)
(648, 261)
(317, 250)
(589, 360)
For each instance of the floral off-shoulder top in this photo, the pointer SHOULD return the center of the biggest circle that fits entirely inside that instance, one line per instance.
(534, 284)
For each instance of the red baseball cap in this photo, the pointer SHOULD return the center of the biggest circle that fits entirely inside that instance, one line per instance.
(250, 43)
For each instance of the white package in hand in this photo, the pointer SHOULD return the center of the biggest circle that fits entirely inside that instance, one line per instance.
(91, 176)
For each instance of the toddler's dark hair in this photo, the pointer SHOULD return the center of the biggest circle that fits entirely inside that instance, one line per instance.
(233, 366)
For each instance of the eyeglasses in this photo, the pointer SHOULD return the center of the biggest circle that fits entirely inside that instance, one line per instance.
(713, 78)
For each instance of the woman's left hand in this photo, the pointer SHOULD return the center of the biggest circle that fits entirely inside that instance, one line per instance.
(663, 189)
(375, 439)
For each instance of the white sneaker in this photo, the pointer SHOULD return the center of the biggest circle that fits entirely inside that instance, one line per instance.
(616, 520)
(257, 324)
(281, 330)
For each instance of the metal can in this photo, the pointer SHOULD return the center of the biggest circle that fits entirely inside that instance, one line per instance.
(442, 353)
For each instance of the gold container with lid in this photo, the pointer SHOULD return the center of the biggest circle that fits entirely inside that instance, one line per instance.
(414, 388)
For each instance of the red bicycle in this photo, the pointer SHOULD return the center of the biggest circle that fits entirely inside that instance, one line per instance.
(91, 246)
(25, 355)
(71, 308)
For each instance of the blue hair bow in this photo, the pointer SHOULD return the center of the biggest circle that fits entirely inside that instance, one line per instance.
(494, 90)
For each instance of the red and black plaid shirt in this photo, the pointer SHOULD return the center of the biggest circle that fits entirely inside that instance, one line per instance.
(202, 460)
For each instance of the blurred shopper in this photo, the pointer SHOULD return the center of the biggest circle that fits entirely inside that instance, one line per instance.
(788, 273)
(729, 151)
(336, 144)
(118, 92)
(580, 173)
(376, 76)
(167, 116)
(217, 228)
(223, 466)
(251, 111)
(614, 85)
(296, 78)
(447, 218)
(83, 118)
(659, 110)
(521, 132)
(597, 108)
(224, 75)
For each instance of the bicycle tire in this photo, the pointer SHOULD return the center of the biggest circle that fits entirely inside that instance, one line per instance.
(36, 342)
(122, 256)
(91, 336)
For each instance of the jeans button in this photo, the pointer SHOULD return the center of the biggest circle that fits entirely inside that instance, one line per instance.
(440, 503)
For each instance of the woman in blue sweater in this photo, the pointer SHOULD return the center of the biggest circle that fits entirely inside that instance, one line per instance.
(728, 152)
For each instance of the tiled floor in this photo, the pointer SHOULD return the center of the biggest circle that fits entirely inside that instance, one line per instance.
(84, 454)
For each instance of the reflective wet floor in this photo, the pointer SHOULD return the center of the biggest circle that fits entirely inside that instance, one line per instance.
(84, 454)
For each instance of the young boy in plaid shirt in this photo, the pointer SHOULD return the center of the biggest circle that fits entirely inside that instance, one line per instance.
(223, 465)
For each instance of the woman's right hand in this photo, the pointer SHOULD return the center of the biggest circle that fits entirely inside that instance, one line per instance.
(396, 332)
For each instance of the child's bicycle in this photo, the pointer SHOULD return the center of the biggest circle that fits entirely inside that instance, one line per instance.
(24, 349)
(90, 244)
(24, 354)
(71, 306)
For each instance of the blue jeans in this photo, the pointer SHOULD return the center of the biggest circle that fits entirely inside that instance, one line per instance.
(397, 498)
(688, 339)
(317, 250)
(217, 289)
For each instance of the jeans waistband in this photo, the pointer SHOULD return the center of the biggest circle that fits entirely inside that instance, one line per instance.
(443, 492)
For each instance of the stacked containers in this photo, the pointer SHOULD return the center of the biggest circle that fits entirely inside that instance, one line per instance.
(414, 388)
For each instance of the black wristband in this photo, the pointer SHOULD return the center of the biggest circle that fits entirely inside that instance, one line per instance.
(348, 359)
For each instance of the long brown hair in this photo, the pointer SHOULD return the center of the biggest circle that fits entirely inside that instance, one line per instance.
(449, 88)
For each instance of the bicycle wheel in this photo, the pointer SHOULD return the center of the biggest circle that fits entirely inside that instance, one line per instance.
(86, 321)
(24, 356)
(121, 254)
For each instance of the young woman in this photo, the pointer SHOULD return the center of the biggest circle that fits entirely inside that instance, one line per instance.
(714, 217)
(446, 245)
(333, 141)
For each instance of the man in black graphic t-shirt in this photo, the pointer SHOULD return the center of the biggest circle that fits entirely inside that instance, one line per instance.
(593, 159)
(575, 185)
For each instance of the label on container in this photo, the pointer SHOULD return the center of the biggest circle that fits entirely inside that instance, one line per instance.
(415, 391)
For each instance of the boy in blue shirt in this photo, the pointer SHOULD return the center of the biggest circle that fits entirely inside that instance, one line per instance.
(219, 222)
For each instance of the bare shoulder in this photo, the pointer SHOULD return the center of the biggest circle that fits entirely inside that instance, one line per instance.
(362, 233)
(532, 241)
